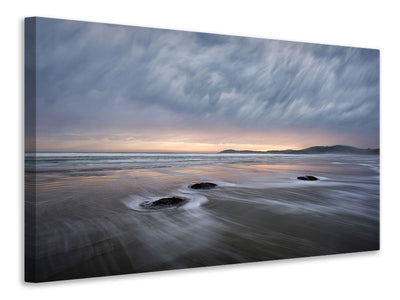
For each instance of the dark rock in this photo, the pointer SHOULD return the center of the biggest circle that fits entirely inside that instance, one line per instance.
(165, 202)
(308, 178)
(203, 186)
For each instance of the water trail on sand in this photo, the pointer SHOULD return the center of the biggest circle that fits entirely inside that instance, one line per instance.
(90, 220)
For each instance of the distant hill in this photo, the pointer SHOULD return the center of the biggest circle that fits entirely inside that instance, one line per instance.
(337, 149)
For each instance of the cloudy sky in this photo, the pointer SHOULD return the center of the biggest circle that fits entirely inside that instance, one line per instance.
(121, 88)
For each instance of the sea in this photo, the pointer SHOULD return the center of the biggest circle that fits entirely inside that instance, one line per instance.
(85, 217)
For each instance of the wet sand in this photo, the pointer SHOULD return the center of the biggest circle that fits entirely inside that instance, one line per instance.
(91, 223)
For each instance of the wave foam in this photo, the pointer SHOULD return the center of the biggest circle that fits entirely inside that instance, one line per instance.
(195, 200)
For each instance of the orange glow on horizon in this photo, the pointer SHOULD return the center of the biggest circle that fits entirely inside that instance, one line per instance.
(197, 142)
(179, 140)
(165, 147)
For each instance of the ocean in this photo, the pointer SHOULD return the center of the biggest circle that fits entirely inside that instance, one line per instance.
(84, 212)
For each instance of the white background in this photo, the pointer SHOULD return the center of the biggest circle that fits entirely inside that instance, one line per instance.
(371, 24)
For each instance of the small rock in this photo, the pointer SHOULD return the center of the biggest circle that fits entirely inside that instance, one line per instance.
(203, 186)
(165, 202)
(308, 178)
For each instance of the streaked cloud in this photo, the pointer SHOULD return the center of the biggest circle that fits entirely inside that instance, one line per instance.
(130, 85)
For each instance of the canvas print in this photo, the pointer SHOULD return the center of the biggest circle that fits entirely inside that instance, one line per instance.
(151, 149)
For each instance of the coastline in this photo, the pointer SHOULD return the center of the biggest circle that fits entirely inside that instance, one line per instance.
(89, 217)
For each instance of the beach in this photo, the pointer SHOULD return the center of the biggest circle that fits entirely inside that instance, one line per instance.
(90, 221)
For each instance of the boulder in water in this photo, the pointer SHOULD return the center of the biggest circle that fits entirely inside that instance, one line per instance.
(165, 203)
(308, 178)
(203, 186)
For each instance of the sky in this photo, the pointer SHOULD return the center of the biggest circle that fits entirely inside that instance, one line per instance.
(102, 87)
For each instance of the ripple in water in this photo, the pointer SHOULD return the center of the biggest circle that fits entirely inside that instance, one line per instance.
(193, 200)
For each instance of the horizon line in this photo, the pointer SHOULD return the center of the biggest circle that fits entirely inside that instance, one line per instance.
(166, 151)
